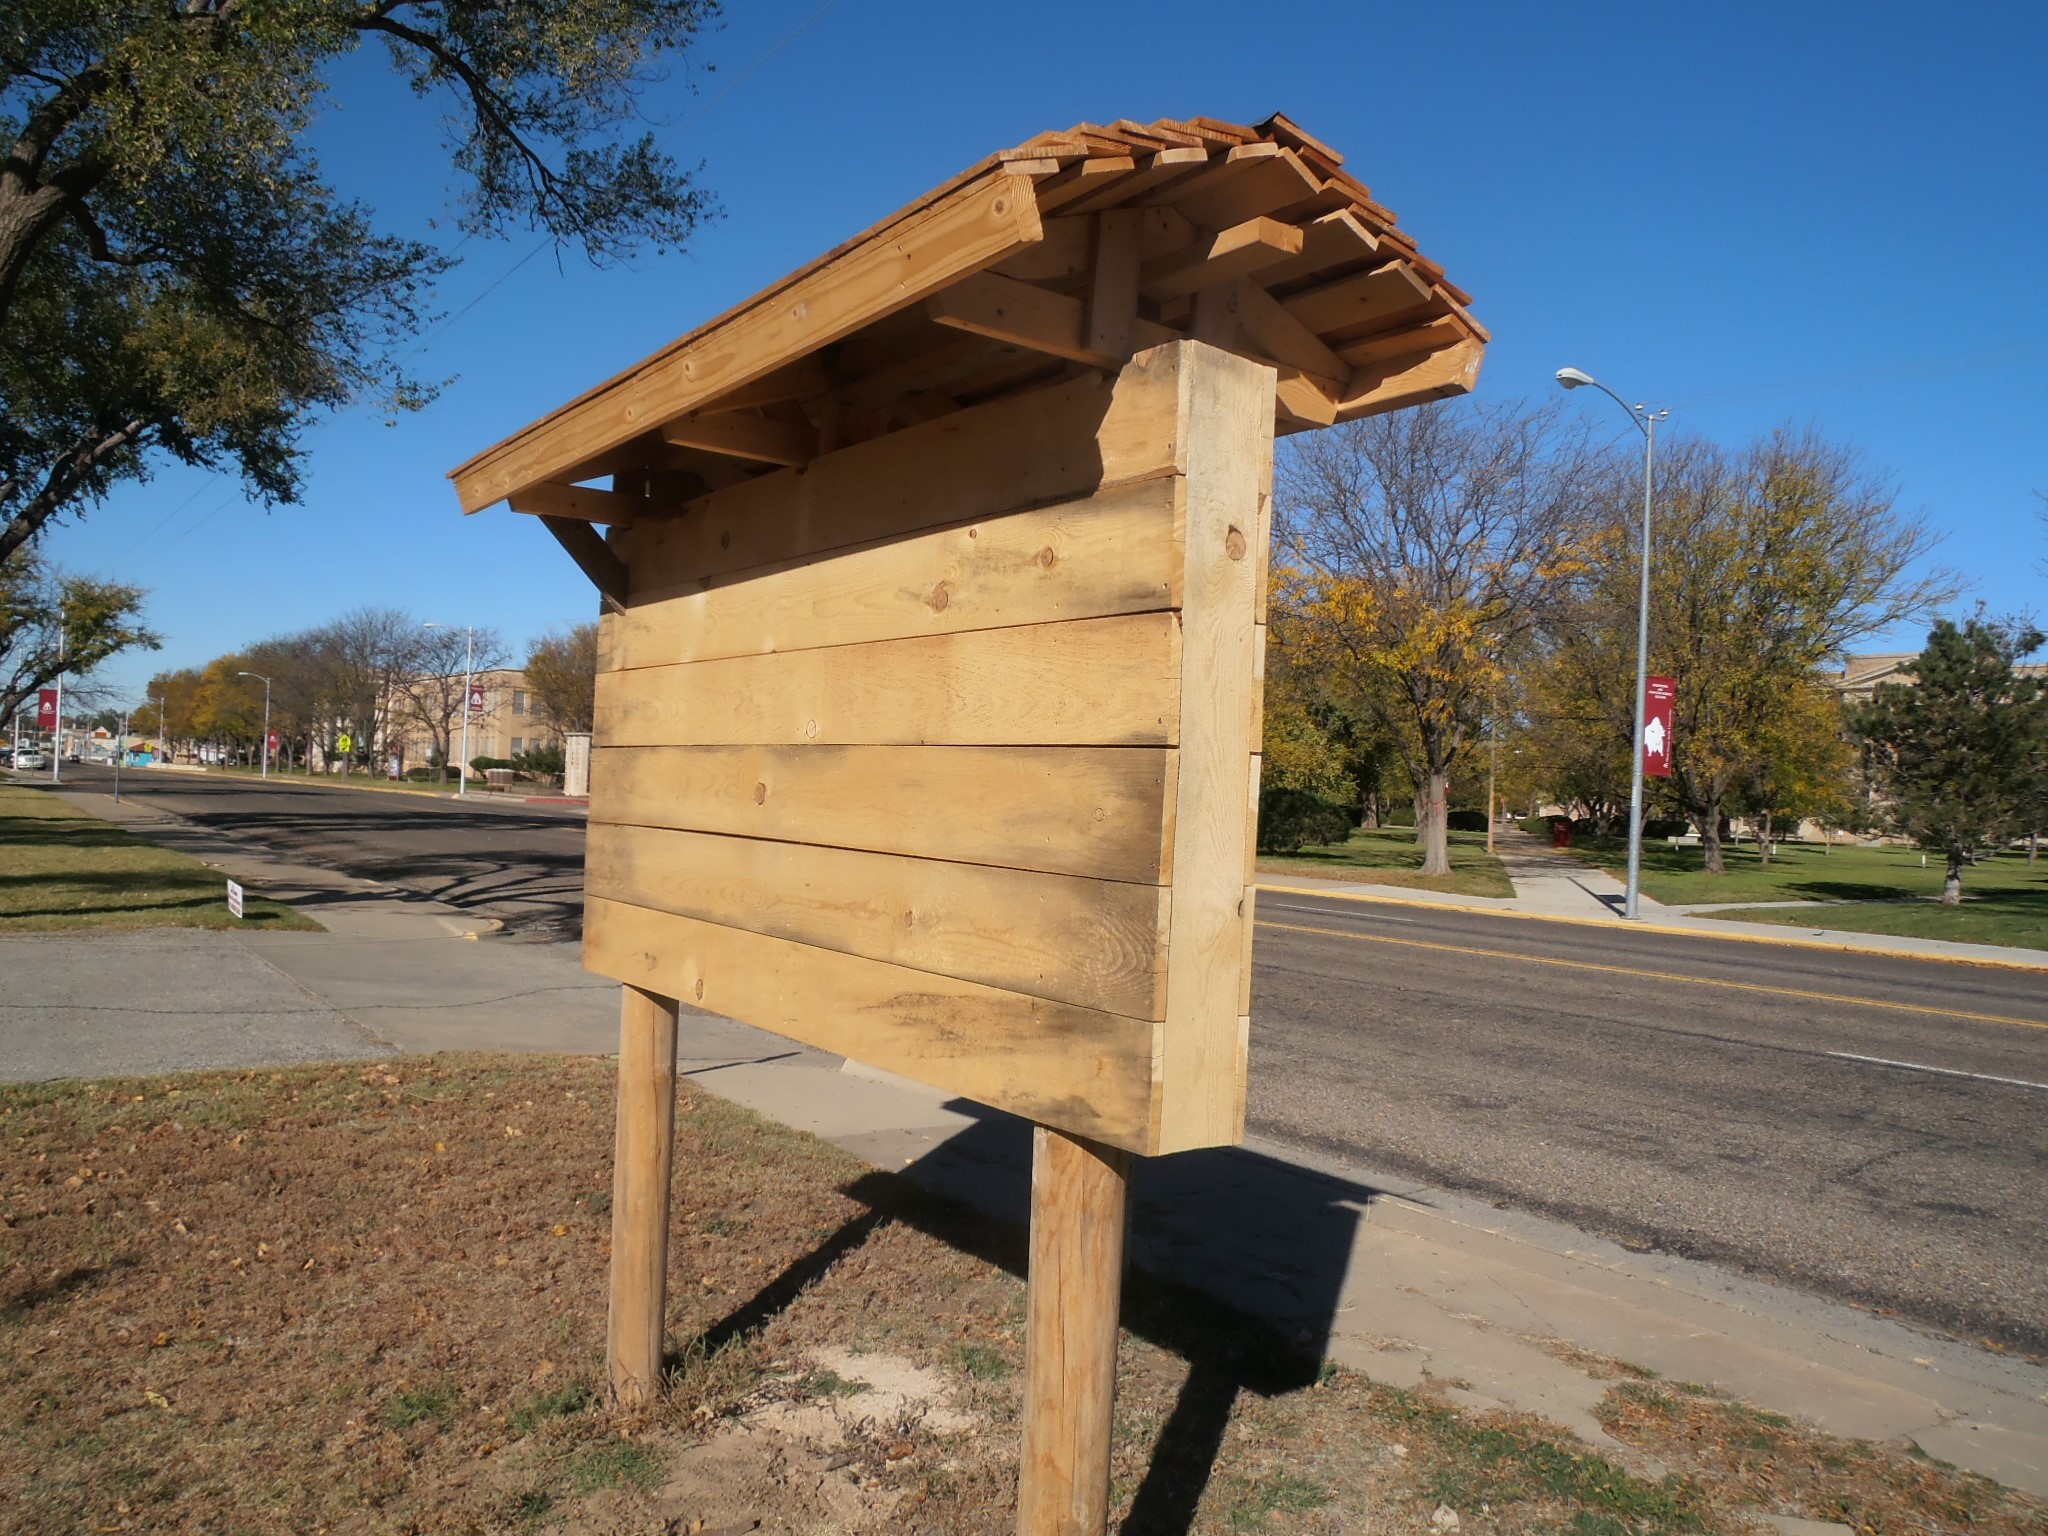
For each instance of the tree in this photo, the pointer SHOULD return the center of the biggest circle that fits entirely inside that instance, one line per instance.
(1425, 541)
(561, 673)
(1766, 564)
(441, 664)
(1957, 752)
(51, 623)
(1804, 766)
(359, 662)
(176, 275)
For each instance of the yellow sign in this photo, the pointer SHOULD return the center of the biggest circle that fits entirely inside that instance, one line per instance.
(343, 743)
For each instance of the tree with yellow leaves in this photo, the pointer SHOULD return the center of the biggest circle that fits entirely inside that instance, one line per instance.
(1419, 547)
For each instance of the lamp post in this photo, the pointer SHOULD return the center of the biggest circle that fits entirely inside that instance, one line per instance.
(266, 717)
(1646, 422)
(468, 671)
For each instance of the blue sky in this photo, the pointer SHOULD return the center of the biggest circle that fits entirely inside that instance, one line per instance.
(1827, 213)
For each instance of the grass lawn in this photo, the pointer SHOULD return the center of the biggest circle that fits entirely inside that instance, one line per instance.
(1390, 856)
(1871, 890)
(61, 868)
(372, 1299)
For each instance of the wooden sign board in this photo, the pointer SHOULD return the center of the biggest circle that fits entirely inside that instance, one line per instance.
(969, 793)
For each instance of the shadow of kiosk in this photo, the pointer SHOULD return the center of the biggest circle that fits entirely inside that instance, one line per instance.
(928, 700)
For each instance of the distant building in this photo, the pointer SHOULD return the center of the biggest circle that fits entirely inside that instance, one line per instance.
(508, 725)
(1860, 675)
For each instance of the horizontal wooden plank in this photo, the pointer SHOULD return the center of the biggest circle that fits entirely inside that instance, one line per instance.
(1103, 812)
(1044, 446)
(1075, 1068)
(1096, 943)
(1452, 370)
(1249, 181)
(1115, 552)
(580, 504)
(1068, 248)
(1211, 259)
(737, 435)
(1003, 309)
(980, 223)
(1369, 298)
(1095, 682)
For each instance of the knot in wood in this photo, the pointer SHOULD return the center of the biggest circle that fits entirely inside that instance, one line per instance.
(760, 794)
(700, 989)
(1046, 557)
(1233, 543)
(939, 599)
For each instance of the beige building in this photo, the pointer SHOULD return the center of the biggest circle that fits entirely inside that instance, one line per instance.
(508, 724)
(1860, 675)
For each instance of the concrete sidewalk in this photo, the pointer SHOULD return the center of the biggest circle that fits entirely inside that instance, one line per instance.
(1399, 1280)
(1554, 885)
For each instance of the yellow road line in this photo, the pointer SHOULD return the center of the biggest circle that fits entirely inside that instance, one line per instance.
(1832, 946)
(1629, 970)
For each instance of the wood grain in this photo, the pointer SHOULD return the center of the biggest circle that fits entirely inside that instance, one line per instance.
(641, 1166)
(1113, 553)
(1080, 1195)
(1088, 1071)
(1096, 943)
(1033, 449)
(1097, 811)
(1094, 682)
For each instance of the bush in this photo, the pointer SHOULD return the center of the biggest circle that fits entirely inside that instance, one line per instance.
(1537, 826)
(540, 761)
(479, 764)
(421, 775)
(1465, 821)
(1290, 818)
(1398, 816)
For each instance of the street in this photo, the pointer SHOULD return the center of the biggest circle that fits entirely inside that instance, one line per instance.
(1866, 1128)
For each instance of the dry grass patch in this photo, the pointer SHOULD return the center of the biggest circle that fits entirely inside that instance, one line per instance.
(371, 1299)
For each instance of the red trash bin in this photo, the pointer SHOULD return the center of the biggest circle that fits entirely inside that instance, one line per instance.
(1560, 833)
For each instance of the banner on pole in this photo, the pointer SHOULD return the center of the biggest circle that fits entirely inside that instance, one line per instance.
(46, 709)
(476, 698)
(272, 743)
(1658, 696)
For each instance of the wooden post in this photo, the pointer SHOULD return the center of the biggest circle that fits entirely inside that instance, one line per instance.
(1079, 1200)
(644, 1153)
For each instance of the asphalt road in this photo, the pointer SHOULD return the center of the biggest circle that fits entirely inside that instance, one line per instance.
(1868, 1128)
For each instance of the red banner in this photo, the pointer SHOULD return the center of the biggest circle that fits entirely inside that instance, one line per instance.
(1659, 692)
(476, 698)
(273, 743)
(46, 710)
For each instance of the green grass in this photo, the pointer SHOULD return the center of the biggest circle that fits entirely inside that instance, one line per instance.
(61, 869)
(435, 1401)
(1390, 856)
(1257, 1501)
(1869, 890)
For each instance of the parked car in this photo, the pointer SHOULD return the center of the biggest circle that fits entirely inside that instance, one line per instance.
(30, 760)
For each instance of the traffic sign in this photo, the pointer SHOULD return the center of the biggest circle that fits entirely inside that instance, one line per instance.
(344, 742)
(1658, 697)
(234, 899)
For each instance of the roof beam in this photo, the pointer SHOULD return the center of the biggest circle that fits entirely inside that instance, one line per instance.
(1366, 299)
(737, 435)
(1235, 252)
(579, 503)
(1004, 309)
(1410, 380)
(980, 223)
(595, 558)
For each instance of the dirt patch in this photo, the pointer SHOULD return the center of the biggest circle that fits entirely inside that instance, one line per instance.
(371, 1299)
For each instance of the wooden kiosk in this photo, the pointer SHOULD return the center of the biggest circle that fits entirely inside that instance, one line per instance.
(928, 704)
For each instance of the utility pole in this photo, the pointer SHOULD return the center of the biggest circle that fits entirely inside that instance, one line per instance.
(120, 751)
(468, 682)
(266, 717)
(57, 725)
(1492, 769)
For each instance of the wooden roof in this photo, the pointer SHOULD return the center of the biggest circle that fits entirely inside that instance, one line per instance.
(1072, 251)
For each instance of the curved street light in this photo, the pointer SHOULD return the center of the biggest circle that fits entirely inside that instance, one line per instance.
(1646, 422)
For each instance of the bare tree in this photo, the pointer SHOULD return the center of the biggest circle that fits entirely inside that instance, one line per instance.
(361, 659)
(1418, 547)
(433, 689)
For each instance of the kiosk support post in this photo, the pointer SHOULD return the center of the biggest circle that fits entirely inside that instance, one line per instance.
(640, 1195)
(1079, 1203)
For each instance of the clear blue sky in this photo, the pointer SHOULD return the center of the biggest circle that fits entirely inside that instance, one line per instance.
(1755, 212)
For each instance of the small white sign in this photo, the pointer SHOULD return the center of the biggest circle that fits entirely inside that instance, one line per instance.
(234, 898)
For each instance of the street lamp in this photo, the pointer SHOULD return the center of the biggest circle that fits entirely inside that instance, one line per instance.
(1646, 422)
(468, 669)
(266, 717)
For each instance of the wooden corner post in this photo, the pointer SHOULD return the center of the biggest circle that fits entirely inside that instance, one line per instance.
(640, 1195)
(1079, 1204)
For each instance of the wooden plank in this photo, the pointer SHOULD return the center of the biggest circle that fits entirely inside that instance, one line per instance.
(1330, 244)
(1165, 167)
(580, 504)
(1068, 248)
(741, 436)
(979, 223)
(1227, 405)
(1096, 682)
(1251, 180)
(1271, 329)
(1115, 552)
(1003, 309)
(1111, 325)
(593, 556)
(1080, 1195)
(1366, 298)
(641, 1163)
(1387, 386)
(1091, 1071)
(1103, 812)
(1083, 179)
(1235, 252)
(1046, 446)
(1098, 944)
(1406, 342)
(1305, 400)
(800, 380)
